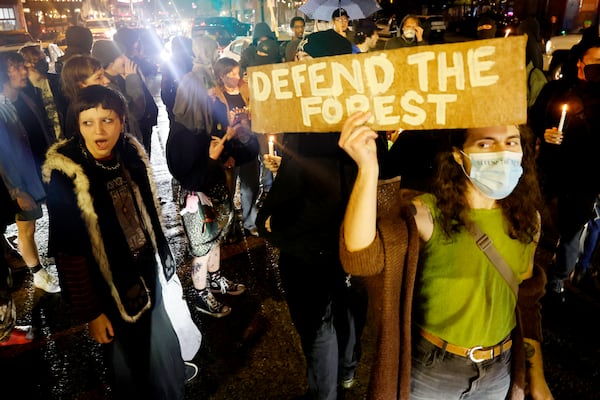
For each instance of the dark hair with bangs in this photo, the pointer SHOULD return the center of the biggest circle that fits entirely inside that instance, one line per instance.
(520, 208)
(96, 95)
(7, 60)
(222, 67)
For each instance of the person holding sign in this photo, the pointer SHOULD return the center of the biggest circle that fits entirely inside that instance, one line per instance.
(451, 323)
(301, 216)
(565, 155)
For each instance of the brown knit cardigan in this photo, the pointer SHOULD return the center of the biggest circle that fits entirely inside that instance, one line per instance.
(390, 265)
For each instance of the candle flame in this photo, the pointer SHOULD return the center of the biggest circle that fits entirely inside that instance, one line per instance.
(564, 107)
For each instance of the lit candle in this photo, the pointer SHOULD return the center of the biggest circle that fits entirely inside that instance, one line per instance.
(563, 116)
(507, 33)
(271, 146)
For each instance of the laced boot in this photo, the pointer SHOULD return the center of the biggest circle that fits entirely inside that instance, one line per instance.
(208, 304)
(219, 284)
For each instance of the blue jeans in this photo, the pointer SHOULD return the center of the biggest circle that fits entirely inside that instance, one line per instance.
(590, 238)
(441, 375)
(249, 175)
(329, 318)
(579, 248)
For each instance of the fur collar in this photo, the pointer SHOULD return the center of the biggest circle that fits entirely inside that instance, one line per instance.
(57, 160)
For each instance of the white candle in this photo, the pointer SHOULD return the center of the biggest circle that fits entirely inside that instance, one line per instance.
(507, 33)
(563, 116)
(271, 146)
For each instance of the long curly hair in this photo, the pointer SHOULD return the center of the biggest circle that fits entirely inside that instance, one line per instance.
(520, 208)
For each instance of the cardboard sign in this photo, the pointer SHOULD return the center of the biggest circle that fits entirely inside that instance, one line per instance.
(458, 85)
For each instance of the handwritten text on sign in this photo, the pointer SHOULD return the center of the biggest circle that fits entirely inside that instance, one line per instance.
(458, 85)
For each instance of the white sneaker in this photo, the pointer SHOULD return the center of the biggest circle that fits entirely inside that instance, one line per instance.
(48, 283)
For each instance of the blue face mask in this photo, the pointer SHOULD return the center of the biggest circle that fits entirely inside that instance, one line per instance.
(495, 174)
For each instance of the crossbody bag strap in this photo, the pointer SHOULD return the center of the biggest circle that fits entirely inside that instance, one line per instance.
(487, 246)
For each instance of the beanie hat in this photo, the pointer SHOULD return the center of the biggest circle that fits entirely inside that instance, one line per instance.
(267, 52)
(325, 43)
(105, 51)
(80, 37)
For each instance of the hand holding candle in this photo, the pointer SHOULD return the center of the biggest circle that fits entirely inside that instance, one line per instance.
(271, 146)
(563, 116)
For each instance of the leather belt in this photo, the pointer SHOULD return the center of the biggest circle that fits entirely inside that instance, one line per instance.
(476, 354)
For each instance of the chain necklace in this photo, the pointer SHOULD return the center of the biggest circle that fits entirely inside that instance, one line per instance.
(99, 164)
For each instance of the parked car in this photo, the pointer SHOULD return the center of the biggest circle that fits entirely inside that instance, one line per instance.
(236, 47)
(557, 51)
(219, 33)
(231, 25)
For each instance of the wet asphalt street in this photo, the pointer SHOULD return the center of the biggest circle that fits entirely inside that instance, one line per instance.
(254, 353)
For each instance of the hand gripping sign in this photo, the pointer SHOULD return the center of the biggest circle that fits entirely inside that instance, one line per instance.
(458, 85)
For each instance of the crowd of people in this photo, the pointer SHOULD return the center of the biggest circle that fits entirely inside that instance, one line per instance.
(78, 142)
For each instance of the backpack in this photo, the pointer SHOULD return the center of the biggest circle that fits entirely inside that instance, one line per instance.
(536, 80)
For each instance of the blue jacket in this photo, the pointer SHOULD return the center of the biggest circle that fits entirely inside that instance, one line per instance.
(17, 164)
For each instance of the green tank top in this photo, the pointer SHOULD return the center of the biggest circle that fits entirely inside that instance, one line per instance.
(462, 297)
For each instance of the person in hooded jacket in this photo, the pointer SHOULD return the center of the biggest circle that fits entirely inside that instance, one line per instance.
(486, 27)
(301, 216)
(409, 34)
(261, 32)
(199, 153)
(564, 156)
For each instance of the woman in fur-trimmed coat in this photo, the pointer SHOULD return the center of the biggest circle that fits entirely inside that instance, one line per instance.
(110, 250)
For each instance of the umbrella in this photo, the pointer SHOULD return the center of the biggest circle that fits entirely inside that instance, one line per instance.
(323, 9)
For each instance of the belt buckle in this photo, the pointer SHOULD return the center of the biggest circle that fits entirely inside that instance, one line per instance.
(471, 354)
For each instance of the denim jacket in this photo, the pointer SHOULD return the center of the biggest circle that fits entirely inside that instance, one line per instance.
(17, 165)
